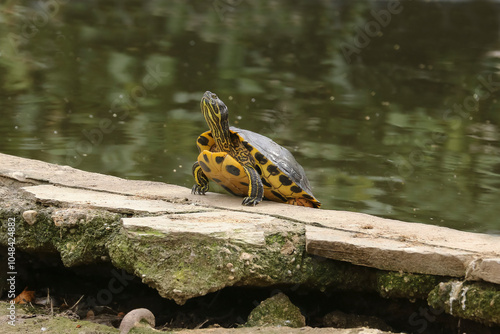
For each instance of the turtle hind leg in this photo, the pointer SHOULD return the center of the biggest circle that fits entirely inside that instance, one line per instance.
(255, 187)
(201, 180)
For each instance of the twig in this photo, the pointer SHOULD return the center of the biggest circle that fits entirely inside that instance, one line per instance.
(72, 307)
(109, 308)
(200, 325)
(51, 303)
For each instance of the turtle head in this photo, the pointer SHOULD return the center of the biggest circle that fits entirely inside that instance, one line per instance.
(217, 118)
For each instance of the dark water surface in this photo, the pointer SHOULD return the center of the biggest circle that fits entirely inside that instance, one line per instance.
(392, 108)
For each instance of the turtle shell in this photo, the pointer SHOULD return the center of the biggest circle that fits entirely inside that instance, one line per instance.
(278, 166)
(277, 155)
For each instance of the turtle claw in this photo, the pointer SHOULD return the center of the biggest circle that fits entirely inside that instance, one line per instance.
(199, 190)
(251, 201)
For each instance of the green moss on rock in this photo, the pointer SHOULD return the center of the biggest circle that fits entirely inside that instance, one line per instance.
(186, 265)
(276, 238)
(475, 301)
(390, 284)
(38, 237)
(276, 311)
(178, 266)
(79, 235)
(86, 241)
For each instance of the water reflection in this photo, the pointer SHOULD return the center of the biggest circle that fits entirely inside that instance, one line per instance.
(405, 126)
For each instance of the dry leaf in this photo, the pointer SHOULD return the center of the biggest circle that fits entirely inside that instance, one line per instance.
(25, 297)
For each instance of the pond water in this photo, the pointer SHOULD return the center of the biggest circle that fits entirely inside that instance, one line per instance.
(391, 108)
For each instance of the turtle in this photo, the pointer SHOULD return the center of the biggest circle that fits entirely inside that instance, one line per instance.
(246, 163)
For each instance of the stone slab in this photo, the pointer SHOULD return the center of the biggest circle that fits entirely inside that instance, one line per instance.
(386, 254)
(385, 243)
(484, 269)
(103, 200)
(35, 171)
(236, 226)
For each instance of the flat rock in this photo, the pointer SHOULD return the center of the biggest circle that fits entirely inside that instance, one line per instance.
(387, 254)
(220, 224)
(347, 236)
(188, 255)
(109, 201)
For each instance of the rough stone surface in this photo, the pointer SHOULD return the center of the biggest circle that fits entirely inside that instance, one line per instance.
(49, 194)
(387, 254)
(475, 301)
(392, 284)
(484, 269)
(188, 255)
(277, 310)
(186, 246)
(371, 241)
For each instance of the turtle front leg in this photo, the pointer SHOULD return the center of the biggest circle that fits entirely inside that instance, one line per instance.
(255, 187)
(201, 185)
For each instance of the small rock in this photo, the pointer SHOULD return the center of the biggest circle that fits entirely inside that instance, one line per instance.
(276, 311)
(246, 257)
(288, 248)
(69, 217)
(30, 216)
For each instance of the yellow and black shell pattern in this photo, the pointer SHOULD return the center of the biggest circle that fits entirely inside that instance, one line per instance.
(284, 180)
